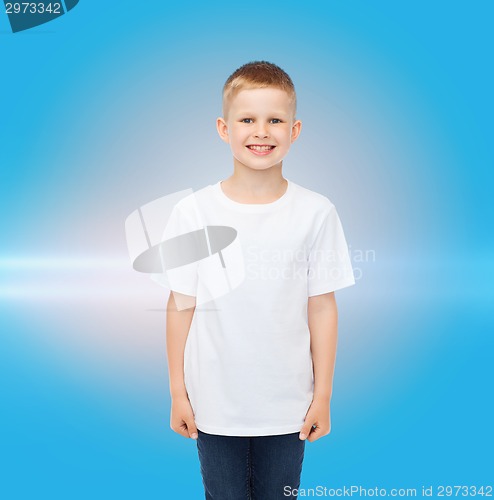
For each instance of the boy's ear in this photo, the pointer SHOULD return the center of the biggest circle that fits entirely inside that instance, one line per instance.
(222, 128)
(296, 128)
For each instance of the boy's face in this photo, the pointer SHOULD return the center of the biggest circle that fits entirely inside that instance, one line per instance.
(258, 118)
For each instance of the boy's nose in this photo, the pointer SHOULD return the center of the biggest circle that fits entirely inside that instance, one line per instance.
(261, 132)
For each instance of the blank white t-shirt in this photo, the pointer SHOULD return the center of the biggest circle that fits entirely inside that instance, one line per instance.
(247, 360)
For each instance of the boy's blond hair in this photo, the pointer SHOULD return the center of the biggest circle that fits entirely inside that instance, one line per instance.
(257, 75)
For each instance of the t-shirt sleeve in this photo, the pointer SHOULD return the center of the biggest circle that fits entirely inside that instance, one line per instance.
(329, 266)
(178, 245)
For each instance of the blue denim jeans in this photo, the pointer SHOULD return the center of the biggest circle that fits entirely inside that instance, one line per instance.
(250, 468)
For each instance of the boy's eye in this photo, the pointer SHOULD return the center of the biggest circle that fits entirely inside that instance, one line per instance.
(250, 120)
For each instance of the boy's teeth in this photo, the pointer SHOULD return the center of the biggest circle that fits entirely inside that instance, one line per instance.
(260, 148)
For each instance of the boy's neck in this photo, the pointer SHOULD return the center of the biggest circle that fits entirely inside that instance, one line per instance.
(255, 186)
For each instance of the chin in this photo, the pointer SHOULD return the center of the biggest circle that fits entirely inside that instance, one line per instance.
(259, 167)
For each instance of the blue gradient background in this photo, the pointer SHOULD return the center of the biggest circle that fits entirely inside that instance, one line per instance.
(113, 105)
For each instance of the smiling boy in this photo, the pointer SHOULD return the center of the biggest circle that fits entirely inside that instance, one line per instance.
(260, 126)
(251, 376)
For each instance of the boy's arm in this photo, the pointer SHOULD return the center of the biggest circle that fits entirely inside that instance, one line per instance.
(177, 330)
(323, 326)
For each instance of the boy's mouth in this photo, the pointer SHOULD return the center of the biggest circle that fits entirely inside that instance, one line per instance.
(260, 147)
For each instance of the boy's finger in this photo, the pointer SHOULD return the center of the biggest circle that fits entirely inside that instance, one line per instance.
(305, 431)
(192, 429)
(315, 434)
(181, 430)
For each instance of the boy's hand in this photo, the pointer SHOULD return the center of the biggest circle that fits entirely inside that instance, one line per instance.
(318, 415)
(182, 418)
